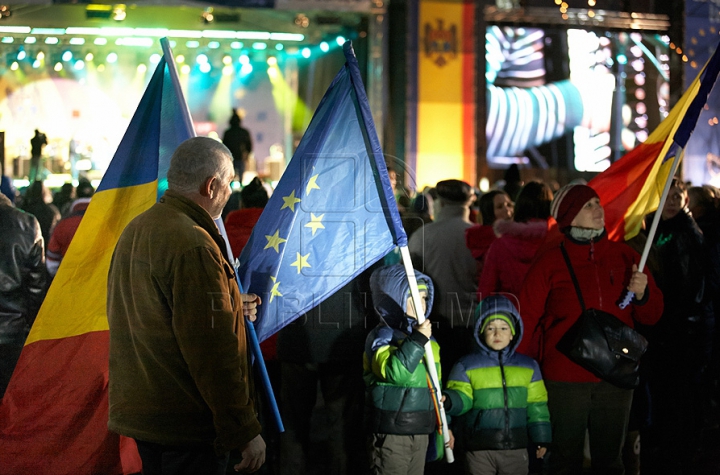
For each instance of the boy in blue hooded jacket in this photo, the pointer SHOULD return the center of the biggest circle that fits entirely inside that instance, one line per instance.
(401, 408)
(499, 395)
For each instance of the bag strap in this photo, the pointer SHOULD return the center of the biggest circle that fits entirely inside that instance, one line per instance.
(572, 275)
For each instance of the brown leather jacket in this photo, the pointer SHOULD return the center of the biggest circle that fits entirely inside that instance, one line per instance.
(179, 371)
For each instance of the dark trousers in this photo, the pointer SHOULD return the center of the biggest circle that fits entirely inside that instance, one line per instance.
(160, 459)
(600, 408)
(9, 356)
(340, 434)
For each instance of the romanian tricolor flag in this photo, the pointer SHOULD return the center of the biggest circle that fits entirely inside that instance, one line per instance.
(53, 418)
(631, 187)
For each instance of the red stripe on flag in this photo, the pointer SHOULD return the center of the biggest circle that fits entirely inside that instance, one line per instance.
(621, 185)
(67, 403)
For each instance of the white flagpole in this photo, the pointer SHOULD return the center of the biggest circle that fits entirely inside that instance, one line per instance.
(653, 228)
(429, 358)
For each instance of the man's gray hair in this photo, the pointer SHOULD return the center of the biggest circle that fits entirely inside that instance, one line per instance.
(195, 160)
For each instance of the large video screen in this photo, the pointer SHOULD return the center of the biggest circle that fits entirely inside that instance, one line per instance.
(605, 91)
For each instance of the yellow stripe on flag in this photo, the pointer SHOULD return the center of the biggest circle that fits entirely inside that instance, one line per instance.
(649, 198)
(76, 301)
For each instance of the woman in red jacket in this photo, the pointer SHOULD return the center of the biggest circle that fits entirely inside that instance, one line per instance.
(578, 400)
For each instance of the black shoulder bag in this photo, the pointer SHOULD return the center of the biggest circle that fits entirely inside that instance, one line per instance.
(602, 344)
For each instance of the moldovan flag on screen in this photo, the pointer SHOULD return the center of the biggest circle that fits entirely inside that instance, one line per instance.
(53, 418)
(331, 216)
(631, 187)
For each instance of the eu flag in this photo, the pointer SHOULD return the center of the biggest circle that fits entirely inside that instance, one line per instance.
(331, 216)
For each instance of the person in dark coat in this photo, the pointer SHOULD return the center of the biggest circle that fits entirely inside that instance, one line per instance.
(36, 201)
(678, 351)
(239, 141)
(23, 277)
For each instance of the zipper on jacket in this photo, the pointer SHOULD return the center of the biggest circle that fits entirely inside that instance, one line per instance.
(505, 394)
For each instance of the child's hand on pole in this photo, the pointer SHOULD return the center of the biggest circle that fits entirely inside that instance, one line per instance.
(425, 328)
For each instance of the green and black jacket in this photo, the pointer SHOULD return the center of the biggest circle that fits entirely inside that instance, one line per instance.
(499, 396)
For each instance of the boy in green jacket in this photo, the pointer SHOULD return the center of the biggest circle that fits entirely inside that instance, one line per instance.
(499, 395)
(401, 408)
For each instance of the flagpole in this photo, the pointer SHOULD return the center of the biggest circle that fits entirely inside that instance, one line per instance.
(429, 358)
(172, 68)
(628, 295)
(257, 353)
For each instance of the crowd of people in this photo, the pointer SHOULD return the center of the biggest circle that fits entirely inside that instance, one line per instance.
(503, 277)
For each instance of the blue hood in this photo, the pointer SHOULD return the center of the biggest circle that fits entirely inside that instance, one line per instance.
(493, 305)
(390, 290)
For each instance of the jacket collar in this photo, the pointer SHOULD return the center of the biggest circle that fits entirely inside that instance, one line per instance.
(197, 213)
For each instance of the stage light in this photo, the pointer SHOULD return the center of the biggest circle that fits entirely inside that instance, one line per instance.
(246, 69)
(279, 47)
(112, 58)
(207, 15)
(201, 59)
(622, 59)
(100, 68)
(306, 52)
(14, 66)
(79, 65)
(180, 59)
(77, 41)
(58, 66)
(214, 45)
(36, 64)
(236, 45)
(141, 68)
(244, 59)
(100, 41)
(67, 56)
(119, 13)
(89, 57)
(324, 47)
(185, 69)
(272, 61)
(227, 60)
(205, 67)
(5, 11)
(155, 58)
(259, 46)
(227, 70)
(192, 44)
(51, 40)
(21, 55)
(8, 39)
(40, 56)
(30, 40)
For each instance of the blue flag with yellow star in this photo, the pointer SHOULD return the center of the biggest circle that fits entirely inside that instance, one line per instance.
(331, 216)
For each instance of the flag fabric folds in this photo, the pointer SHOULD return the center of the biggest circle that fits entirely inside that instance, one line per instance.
(53, 418)
(332, 214)
(631, 187)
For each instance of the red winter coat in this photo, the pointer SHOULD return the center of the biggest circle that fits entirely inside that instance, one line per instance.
(510, 256)
(549, 305)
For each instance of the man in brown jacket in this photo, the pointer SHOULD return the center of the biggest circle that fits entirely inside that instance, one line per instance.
(180, 380)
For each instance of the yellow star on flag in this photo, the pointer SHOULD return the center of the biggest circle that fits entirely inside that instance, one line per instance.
(301, 261)
(311, 185)
(274, 241)
(274, 292)
(290, 201)
(315, 223)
